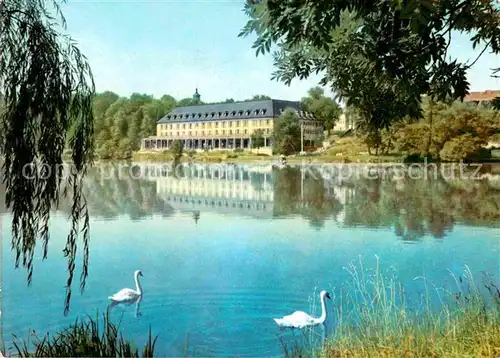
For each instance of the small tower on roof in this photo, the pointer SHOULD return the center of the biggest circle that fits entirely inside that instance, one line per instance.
(196, 96)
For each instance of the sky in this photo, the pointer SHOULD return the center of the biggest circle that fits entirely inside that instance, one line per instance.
(162, 47)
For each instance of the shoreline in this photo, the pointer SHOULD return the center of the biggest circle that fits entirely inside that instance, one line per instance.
(244, 158)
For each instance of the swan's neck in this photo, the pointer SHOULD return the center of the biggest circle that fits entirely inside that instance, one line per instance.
(322, 318)
(138, 287)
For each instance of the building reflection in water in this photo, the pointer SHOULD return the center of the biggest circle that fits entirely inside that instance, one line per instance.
(225, 189)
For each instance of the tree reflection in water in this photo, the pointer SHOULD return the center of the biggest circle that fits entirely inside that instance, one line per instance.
(414, 208)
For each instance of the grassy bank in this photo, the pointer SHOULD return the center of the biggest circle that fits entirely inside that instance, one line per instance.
(349, 149)
(373, 319)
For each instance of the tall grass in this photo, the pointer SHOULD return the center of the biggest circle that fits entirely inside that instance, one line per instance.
(84, 338)
(374, 319)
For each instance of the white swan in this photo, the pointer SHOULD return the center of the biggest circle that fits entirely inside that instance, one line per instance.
(300, 319)
(128, 294)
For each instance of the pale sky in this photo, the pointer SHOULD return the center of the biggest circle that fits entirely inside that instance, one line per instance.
(171, 47)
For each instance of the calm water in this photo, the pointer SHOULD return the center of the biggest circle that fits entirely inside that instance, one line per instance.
(224, 249)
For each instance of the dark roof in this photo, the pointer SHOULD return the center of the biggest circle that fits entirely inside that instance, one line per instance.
(236, 110)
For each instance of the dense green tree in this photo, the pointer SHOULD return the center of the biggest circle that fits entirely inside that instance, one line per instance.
(448, 132)
(381, 56)
(257, 139)
(286, 134)
(47, 88)
(177, 150)
(323, 108)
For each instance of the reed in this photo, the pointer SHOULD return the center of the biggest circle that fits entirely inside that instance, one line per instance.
(84, 338)
(373, 319)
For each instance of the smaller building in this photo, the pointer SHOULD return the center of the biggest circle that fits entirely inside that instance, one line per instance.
(227, 125)
(482, 98)
(343, 124)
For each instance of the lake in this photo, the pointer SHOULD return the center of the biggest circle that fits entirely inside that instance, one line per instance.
(226, 248)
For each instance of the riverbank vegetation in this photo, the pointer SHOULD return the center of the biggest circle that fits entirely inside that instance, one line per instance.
(85, 338)
(374, 319)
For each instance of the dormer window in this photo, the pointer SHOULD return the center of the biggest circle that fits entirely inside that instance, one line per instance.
(206, 115)
(213, 114)
(257, 111)
(264, 111)
(240, 113)
(248, 112)
(220, 114)
(226, 113)
(175, 116)
(168, 117)
(233, 113)
(193, 115)
(199, 115)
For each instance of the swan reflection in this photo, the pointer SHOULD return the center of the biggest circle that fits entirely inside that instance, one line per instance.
(127, 303)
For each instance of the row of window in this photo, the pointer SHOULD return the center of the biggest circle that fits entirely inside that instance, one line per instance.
(217, 114)
(214, 124)
(209, 132)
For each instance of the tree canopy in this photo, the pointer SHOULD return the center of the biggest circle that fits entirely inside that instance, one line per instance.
(379, 56)
(286, 134)
(323, 108)
(47, 89)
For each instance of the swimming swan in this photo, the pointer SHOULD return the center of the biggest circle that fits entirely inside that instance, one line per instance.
(128, 294)
(300, 319)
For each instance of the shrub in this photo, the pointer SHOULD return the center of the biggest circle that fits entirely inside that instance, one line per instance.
(463, 147)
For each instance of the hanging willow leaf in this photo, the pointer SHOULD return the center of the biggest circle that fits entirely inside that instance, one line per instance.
(47, 89)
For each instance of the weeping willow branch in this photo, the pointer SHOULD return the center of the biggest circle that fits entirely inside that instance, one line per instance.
(47, 88)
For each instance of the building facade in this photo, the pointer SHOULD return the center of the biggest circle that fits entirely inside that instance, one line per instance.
(227, 125)
(482, 98)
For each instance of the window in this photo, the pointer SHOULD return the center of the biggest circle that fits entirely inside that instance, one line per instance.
(256, 112)
(175, 116)
(226, 113)
(267, 122)
(216, 132)
(231, 124)
(264, 111)
(248, 112)
(237, 131)
(184, 125)
(190, 125)
(237, 123)
(199, 115)
(230, 131)
(216, 124)
(233, 113)
(245, 131)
